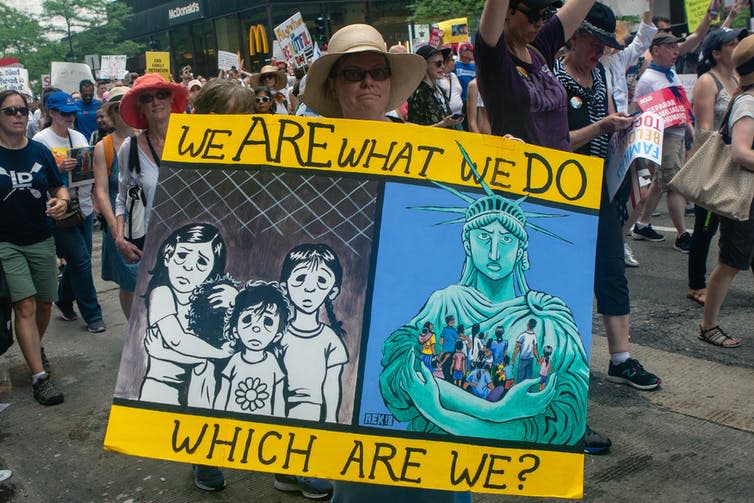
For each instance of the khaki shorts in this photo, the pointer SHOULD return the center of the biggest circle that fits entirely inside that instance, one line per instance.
(673, 158)
(30, 270)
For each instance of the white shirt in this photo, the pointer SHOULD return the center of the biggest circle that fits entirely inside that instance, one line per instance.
(452, 88)
(147, 178)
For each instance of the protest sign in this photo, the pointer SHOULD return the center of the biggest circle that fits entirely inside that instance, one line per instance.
(688, 81)
(670, 103)
(365, 378)
(67, 76)
(15, 79)
(642, 140)
(455, 31)
(159, 62)
(226, 60)
(113, 67)
(46, 80)
(295, 41)
(695, 12)
(83, 173)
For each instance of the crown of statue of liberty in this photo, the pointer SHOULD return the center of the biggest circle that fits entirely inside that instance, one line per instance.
(509, 211)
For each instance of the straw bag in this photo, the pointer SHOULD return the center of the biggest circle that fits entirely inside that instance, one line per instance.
(712, 180)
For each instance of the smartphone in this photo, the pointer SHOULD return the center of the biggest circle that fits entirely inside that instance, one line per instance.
(634, 114)
(458, 117)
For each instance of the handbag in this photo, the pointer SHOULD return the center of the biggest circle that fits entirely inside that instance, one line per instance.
(72, 217)
(712, 180)
(136, 200)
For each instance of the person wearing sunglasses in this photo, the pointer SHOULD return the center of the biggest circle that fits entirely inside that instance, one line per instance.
(263, 101)
(106, 170)
(31, 192)
(74, 243)
(146, 106)
(429, 105)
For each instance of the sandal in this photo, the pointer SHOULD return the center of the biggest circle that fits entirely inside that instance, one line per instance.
(698, 296)
(717, 336)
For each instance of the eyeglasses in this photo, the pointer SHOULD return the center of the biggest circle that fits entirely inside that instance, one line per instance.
(149, 98)
(534, 16)
(11, 111)
(263, 99)
(357, 74)
(268, 76)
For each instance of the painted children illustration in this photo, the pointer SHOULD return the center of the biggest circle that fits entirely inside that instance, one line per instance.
(313, 352)
(545, 366)
(459, 364)
(184, 261)
(428, 341)
(252, 382)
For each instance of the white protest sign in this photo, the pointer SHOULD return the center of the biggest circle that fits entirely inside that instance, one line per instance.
(642, 140)
(687, 80)
(113, 66)
(66, 76)
(226, 60)
(295, 41)
(14, 79)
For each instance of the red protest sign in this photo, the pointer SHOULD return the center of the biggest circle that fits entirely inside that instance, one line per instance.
(671, 103)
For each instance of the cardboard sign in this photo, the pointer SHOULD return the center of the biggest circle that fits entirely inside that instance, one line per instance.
(670, 103)
(696, 10)
(83, 173)
(159, 62)
(302, 291)
(226, 60)
(67, 76)
(295, 41)
(15, 79)
(642, 140)
(455, 31)
(688, 81)
(113, 67)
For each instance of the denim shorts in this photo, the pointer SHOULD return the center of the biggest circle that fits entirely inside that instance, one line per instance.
(30, 270)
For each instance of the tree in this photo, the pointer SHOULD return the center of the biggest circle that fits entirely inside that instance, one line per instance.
(20, 33)
(431, 11)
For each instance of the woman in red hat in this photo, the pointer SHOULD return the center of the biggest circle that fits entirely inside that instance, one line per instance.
(147, 106)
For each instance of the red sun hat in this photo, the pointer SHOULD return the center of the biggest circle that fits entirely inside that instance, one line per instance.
(129, 105)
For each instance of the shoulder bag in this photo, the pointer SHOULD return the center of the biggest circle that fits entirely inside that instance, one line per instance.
(712, 180)
(136, 200)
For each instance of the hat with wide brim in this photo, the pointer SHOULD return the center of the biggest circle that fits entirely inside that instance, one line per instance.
(743, 60)
(115, 95)
(129, 108)
(600, 23)
(407, 70)
(280, 78)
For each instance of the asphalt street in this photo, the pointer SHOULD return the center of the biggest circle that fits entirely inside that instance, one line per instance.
(690, 441)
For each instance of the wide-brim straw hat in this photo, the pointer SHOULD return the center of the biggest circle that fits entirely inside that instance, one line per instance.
(115, 95)
(129, 108)
(281, 80)
(407, 70)
(743, 60)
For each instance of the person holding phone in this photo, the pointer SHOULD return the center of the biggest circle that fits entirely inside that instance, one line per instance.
(429, 105)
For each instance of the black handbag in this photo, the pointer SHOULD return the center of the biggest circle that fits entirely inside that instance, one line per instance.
(72, 216)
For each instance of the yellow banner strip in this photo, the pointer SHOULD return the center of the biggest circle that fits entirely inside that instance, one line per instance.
(337, 455)
(385, 149)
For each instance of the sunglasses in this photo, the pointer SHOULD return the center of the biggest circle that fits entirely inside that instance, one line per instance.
(66, 114)
(534, 16)
(11, 111)
(666, 30)
(269, 76)
(149, 98)
(263, 99)
(357, 75)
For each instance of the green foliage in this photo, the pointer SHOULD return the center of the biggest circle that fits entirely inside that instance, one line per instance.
(432, 11)
(20, 32)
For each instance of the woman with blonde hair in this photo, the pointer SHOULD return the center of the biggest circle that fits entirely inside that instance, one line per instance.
(224, 97)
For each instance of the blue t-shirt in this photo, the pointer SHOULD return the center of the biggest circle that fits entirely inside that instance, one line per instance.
(352, 492)
(498, 351)
(449, 336)
(466, 72)
(25, 176)
(479, 379)
(86, 117)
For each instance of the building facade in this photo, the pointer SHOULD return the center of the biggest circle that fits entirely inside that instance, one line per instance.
(194, 30)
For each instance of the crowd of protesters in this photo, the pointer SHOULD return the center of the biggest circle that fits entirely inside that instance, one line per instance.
(539, 71)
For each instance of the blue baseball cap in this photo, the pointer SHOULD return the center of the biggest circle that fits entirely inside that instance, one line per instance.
(62, 102)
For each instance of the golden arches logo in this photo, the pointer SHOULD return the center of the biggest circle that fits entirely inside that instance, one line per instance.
(258, 40)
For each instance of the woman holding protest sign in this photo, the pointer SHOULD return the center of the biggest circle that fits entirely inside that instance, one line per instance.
(717, 82)
(358, 79)
(27, 249)
(106, 171)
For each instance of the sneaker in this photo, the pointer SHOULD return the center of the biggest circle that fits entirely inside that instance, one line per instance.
(309, 487)
(45, 392)
(96, 327)
(683, 242)
(647, 233)
(628, 256)
(633, 374)
(594, 443)
(209, 478)
(45, 362)
(67, 313)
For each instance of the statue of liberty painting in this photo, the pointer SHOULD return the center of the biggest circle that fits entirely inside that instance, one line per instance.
(528, 384)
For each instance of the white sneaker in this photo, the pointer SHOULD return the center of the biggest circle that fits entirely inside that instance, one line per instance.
(628, 256)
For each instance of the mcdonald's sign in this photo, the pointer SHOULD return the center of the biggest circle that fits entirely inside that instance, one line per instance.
(258, 40)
